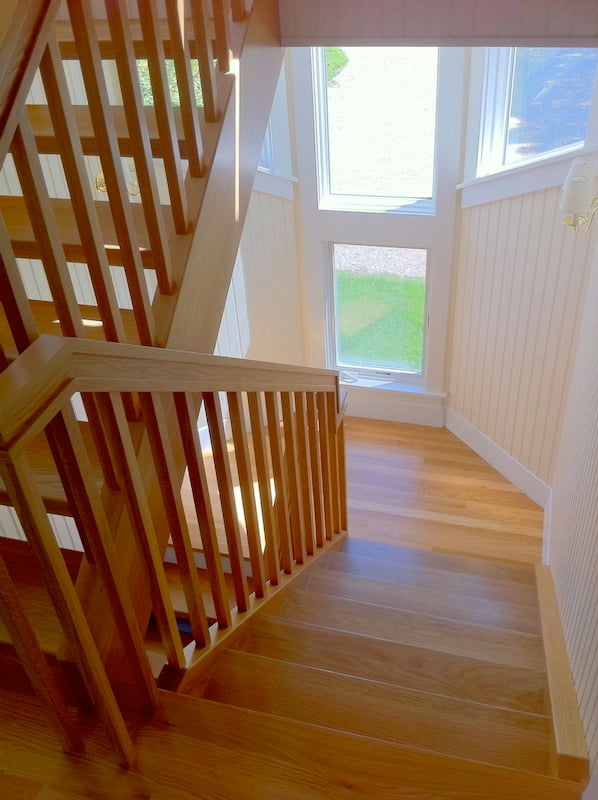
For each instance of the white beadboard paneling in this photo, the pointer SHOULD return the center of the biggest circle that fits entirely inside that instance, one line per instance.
(574, 520)
(344, 22)
(64, 528)
(520, 281)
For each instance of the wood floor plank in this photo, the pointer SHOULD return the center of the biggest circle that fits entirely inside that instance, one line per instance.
(381, 711)
(513, 573)
(395, 663)
(425, 577)
(493, 614)
(502, 647)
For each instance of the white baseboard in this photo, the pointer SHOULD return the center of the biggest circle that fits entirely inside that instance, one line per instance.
(546, 532)
(509, 467)
(414, 407)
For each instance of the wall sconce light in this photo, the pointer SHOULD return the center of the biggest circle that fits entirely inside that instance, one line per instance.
(130, 181)
(579, 201)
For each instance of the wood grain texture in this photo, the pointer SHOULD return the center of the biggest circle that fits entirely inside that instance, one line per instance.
(503, 647)
(377, 659)
(380, 711)
(198, 737)
(570, 749)
(421, 487)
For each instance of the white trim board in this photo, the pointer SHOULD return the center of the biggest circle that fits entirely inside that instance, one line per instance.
(510, 468)
(416, 408)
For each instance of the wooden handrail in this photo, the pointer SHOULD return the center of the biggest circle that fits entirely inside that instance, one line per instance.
(299, 434)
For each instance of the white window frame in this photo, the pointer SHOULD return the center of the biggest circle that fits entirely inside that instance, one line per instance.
(357, 373)
(433, 232)
(329, 200)
(496, 66)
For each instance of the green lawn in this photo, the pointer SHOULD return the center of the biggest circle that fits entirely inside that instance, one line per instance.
(380, 319)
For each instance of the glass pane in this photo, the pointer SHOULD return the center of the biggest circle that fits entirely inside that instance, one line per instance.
(382, 120)
(550, 105)
(380, 295)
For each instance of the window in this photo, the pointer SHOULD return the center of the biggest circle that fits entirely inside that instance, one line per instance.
(380, 307)
(536, 102)
(377, 127)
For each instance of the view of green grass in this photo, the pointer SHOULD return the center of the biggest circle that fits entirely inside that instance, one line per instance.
(146, 84)
(380, 319)
(336, 61)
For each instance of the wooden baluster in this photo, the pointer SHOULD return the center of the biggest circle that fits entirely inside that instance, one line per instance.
(175, 11)
(34, 661)
(207, 73)
(342, 472)
(126, 66)
(142, 525)
(45, 228)
(221, 10)
(324, 442)
(187, 418)
(295, 491)
(334, 462)
(280, 483)
(105, 134)
(238, 9)
(65, 128)
(25, 497)
(75, 471)
(263, 477)
(316, 469)
(12, 296)
(155, 421)
(227, 497)
(4, 362)
(304, 465)
(237, 418)
(148, 14)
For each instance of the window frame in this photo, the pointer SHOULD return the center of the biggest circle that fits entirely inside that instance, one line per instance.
(488, 128)
(338, 201)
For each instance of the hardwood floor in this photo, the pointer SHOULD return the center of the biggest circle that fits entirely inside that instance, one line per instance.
(421, 487)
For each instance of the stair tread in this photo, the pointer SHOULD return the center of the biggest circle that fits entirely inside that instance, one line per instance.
(46, 319)
(480, 567)
(320, 762)
(395, 663)
(491, 613)
(427, 577)
(460, 638)
(24, 242)
(380, 711)
(201, 748)
(46, 141)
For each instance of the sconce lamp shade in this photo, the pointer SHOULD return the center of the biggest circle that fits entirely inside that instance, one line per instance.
(579, 191)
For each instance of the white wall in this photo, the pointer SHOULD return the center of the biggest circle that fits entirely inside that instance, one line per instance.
(573, 531)
(269, 255)
(519, 289)
(452, 22)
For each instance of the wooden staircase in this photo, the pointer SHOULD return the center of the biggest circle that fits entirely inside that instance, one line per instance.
(386, 672)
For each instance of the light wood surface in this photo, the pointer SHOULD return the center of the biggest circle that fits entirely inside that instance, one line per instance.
(377, 710)
(422, 487)
(395, 663)
(570, 749)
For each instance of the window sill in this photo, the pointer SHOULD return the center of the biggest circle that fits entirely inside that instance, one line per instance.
(520, 180)
(274, 183)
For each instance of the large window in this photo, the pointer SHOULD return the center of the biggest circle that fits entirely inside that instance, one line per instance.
(536, 102)
(380, 307)
(378, 126)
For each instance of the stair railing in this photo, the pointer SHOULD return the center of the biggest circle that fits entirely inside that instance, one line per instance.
(129, 231)
(284, 443)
